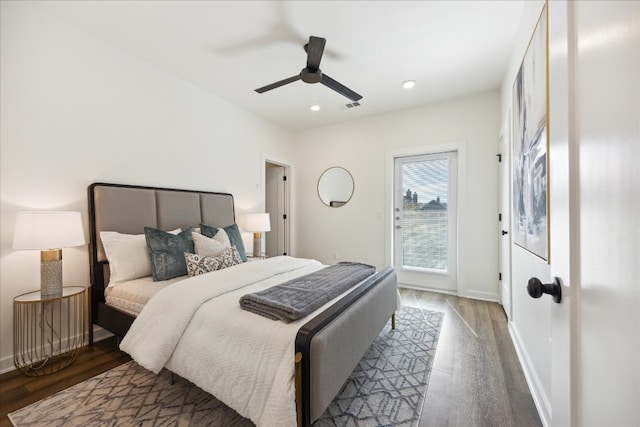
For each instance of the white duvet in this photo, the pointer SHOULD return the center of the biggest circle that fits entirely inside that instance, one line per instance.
(196, 329)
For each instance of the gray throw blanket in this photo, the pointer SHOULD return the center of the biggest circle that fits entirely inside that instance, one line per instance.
(298, 297)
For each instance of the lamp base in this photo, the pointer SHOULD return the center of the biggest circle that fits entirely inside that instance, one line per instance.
(257, 244)
(51, 273)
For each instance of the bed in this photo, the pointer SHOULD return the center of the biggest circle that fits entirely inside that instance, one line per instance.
(321, 349)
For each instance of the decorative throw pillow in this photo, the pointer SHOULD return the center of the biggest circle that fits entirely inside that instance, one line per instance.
(211, 246)
(229, 258)
(207, 230)
(127, 255)
(166, 252)
(200, 264)
(236, 240)
(234, 237)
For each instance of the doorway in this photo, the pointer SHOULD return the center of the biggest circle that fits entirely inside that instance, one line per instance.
(277, 206)
(425, 218)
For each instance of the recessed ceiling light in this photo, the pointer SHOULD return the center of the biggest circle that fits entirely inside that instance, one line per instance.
(314, 107)
(408, 84)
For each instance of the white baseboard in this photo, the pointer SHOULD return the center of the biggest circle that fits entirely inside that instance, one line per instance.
(482, 296)
(540, 398)
(421, 288)
(99, 334)
(6, 365)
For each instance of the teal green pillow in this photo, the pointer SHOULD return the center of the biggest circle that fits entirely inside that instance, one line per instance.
(166, 252)
(207, 230)
(234, 237)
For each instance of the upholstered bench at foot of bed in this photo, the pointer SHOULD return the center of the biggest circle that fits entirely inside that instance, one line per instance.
(339, 342)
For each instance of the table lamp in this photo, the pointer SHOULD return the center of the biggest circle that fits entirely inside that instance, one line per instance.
(49, 232)
(258, 223)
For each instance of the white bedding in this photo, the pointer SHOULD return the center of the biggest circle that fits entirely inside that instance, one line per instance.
(196, 329)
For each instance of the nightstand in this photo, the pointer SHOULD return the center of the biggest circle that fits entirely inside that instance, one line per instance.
(48, 332)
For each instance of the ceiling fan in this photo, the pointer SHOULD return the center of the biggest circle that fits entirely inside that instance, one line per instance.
(312, 73)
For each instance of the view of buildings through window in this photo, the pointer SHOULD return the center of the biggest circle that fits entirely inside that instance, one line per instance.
(425, 230)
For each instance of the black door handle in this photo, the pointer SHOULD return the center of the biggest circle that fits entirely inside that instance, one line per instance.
(504, 232)
(536, 288)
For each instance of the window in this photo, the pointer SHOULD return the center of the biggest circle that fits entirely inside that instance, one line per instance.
(425, 224)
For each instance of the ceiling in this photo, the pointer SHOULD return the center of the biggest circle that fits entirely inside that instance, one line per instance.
(230, 48)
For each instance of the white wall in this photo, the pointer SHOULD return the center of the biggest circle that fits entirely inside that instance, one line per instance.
(357, 231)
(75, 110)
(531, 319)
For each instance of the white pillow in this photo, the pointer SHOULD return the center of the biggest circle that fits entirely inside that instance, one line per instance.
(127, 255)
(211, 246)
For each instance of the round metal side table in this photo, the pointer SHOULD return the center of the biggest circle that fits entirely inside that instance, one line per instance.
(48, 332)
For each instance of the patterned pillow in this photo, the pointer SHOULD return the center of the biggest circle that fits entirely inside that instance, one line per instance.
(200, 264)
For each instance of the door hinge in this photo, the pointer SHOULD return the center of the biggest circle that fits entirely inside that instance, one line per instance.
(499, 158)
(284, 216)
(284, 177)
(499, 217)
(499, 276)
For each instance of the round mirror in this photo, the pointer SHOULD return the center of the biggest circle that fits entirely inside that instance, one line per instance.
(335, 187)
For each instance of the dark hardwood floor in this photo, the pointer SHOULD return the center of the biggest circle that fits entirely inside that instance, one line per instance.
(18, 390)
(476, 378)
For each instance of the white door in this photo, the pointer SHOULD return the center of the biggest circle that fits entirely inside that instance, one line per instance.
(504, 217)
(425, 220)
(596, 198)
(581, 355)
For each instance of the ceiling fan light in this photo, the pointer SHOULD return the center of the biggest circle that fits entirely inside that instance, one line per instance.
(408, 84)
(314, 107)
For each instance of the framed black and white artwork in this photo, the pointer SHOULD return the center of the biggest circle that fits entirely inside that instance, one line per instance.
(530, 140)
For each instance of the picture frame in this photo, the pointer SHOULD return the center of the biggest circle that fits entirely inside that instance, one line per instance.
(531, 145)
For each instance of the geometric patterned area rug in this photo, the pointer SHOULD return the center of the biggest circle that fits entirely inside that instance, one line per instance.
(387, 388)
(389, 385)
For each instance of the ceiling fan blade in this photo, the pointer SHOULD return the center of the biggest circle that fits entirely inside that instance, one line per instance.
(340, 88)
(314, 52)
(278, 84)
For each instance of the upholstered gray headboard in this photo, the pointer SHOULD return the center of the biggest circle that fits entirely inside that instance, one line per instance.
(128, 209)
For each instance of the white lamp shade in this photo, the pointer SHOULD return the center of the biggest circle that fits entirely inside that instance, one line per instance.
(48, 230)
(257, 222)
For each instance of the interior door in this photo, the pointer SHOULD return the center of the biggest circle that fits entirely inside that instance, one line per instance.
(425, 220)
(594, 154)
